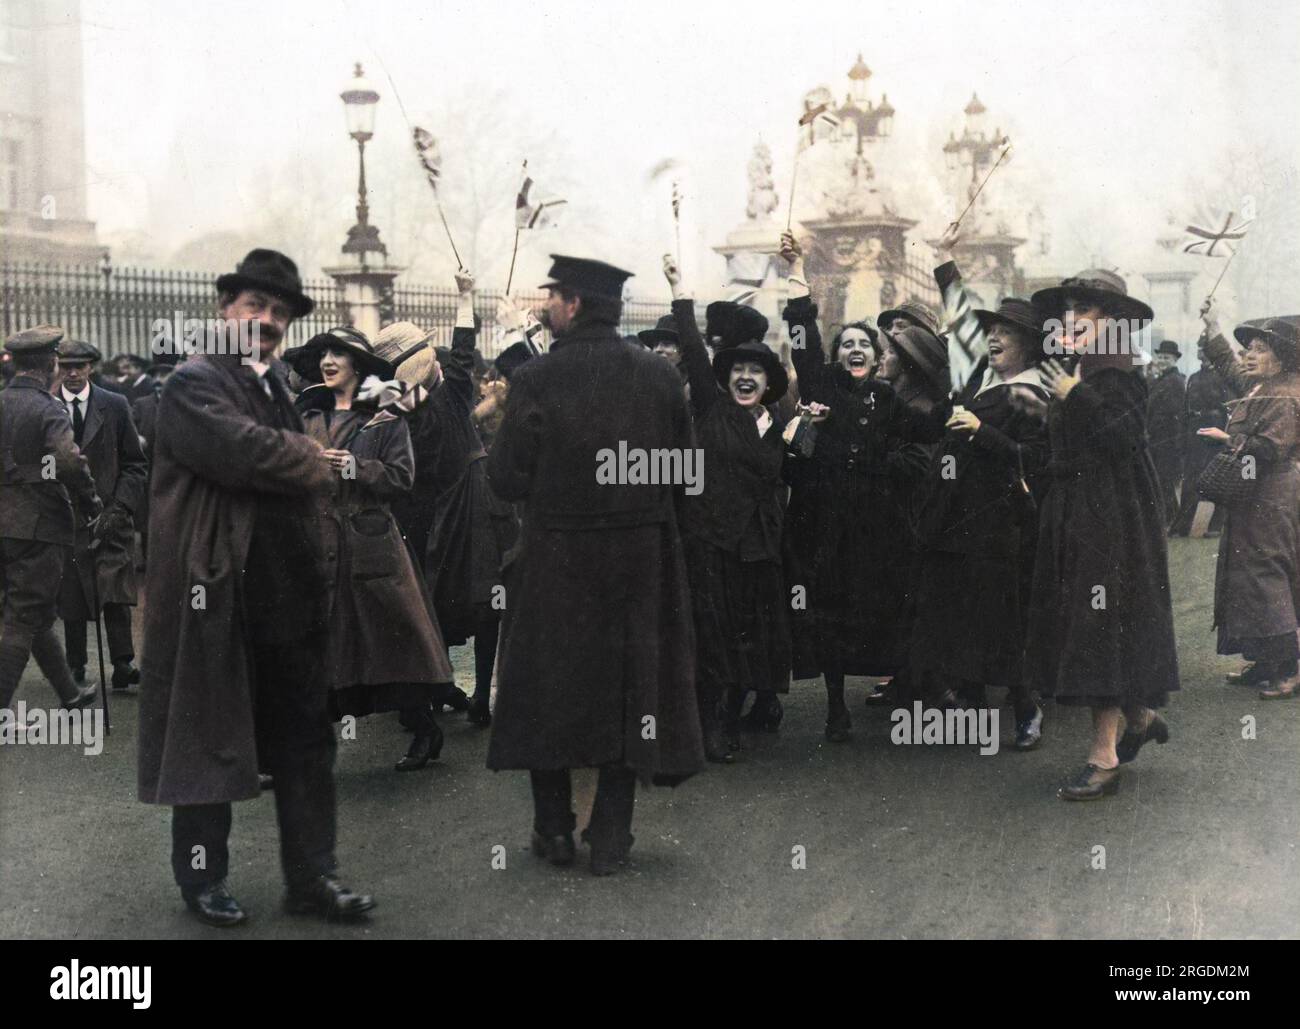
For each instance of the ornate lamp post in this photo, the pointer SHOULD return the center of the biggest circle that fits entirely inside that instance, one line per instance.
(974, 148)
(359, 100)
(872, 120)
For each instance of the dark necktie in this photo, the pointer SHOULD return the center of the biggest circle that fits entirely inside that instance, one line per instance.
(78, 422)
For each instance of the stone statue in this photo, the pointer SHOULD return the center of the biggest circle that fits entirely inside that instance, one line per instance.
(762, 191)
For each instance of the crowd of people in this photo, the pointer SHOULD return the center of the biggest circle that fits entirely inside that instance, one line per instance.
(320, 526)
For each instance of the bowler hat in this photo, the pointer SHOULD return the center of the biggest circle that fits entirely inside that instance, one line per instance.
(716, 316)
(665, 331)
(754, 350)
(586, 277)
(915, 311)
(742, 325)
(1281, 336)
(75, 351)
(1168, 346)
(1099, 285)
(40, 339)
(271, 271)
(305, 360)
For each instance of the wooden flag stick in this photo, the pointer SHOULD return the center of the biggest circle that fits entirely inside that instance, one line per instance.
(513, 253)
(677, 223)
(794, 177)
(966, 210)
(1222, 274)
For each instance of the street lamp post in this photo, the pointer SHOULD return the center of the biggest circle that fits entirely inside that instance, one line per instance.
(974, 148)
(359, 100)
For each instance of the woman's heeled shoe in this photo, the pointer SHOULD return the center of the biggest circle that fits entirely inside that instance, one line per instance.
(1131, 742)
(1285, 689)
(424, 748)
(1091, 783)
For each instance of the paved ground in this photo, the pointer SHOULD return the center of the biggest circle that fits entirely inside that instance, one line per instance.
(900, 841)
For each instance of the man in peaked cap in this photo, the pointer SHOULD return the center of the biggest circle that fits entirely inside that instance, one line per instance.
(234, 634)
(44, 476)
(106, 433)
(597, 649)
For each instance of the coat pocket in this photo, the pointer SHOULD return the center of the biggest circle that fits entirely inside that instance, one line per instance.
(373, 545)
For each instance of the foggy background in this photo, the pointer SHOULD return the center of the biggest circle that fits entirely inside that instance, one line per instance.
(214, 126)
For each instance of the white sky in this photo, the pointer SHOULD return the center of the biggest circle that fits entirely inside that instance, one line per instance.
(1113, 107)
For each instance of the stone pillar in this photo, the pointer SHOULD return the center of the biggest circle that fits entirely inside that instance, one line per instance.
(367, 294)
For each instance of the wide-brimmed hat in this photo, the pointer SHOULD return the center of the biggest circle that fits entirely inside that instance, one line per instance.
(400, 340)
(754, 350)
(917, 311)
(305, 360)
(1281, 335)
(928, 352)
(76, 351)
(1099, 284)
(271, 271)
(1168, 346)
(1013, 311)
(665, 331)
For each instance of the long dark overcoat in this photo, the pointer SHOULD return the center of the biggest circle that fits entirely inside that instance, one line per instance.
(1257, 581)
(117, 462)
(1166, 431)
(596, 662)
(1101, 627)
(217, 456)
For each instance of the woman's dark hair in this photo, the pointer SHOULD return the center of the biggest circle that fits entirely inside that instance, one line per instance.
(872, 335)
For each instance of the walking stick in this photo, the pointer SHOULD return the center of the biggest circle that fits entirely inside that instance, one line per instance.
(99, 636)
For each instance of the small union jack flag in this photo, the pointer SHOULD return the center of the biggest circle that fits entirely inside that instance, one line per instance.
(1205, 241)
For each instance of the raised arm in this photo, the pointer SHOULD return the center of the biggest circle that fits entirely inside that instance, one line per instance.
(459, 371)
(801, 322)
(695, 355)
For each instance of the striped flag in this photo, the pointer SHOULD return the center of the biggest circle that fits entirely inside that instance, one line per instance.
(1215, 242)
(426, 149)
(534, 215)
(816, 108)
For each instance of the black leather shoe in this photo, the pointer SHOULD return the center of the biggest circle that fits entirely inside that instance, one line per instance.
(1252, 675)
(607, 862)
(1029, 731)
(423, 749)
(1131, 742)
(79, 675)
(214, 905)
(330, 899)
(1091, 783)
(85, 697)
(715, 747)
(456, 699)
(765, 715)
(125, 675)
(558, 850)
(479, 714)
(839, 726)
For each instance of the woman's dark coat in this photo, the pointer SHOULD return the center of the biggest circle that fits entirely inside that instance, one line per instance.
(978, 525)
(381, 630)
(850, 540)
(1257, 581)
(1101, 627)
(596, 663)
(733, 532)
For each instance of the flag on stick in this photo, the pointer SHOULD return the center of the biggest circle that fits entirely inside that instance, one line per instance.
(816, 108)
(530, 214)
(426, 151)
(1215, 242)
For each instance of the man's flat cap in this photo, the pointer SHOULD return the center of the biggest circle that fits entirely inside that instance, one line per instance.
(587, 277)
(40, 339)
(75, 351)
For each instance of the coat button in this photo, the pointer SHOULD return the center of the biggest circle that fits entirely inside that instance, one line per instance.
(855, 447)
(862, 420)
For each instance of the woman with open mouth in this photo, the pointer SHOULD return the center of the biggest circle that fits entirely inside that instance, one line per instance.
(385, 650)
(849, 551)
(732, 529)
(978, 526)
(1257, 579)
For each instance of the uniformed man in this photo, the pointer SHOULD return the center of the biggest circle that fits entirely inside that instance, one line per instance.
(43, 476)
(596, 665)
(104, 431)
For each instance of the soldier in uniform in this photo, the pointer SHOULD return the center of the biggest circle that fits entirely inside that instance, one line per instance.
(42, 477)
(596, 666)
(104, 431)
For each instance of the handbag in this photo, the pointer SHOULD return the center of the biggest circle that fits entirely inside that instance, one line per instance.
(1224, 479)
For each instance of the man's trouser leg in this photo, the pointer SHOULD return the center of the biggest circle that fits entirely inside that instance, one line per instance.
(32, 571)
(200, 844)
(74, 638)
(296, 746)
(117, 626)
(611, 815)
(552, 803)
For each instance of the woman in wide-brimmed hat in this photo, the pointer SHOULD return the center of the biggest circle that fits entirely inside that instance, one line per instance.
(385, 650)
(732, 528)
(1257, 582)
(978, 525)
(851, 553)
(1101, 629)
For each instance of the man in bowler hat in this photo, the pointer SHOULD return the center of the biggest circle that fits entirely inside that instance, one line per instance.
(234, 631)
(1167, 423)
(43, 478)
(596, 661)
